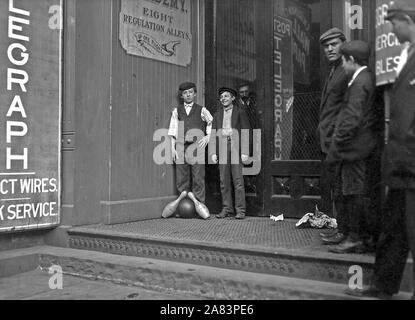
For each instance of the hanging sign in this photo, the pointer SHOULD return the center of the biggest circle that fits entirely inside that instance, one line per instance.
(387, 46)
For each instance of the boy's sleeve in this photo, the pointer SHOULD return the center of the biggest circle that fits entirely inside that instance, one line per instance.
(214, 126)
(207, 117)
(351, 115)
(174, 124)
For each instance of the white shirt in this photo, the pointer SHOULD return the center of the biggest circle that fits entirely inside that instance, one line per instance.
(227, 122)
(357, 72)
(188, 107)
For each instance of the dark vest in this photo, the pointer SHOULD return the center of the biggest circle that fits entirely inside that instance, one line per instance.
(191, 121)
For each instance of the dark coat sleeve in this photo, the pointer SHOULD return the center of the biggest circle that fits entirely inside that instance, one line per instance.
(354, 138)
(332, 101)
(243, 119)
(213, 147)
(400, 150)
(244, 125)
(351, 116)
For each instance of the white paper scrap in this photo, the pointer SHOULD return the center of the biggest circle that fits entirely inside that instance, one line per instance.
(278, 218)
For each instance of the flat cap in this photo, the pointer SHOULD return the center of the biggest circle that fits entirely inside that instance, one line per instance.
(356, 48)
(230, 90)
(400, 6)
(332, 34)
(186, 86)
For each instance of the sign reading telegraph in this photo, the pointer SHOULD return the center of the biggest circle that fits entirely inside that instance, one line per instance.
(283, 88)
(30, 96)
(156, 29)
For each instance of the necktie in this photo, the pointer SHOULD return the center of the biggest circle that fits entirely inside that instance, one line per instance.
(331, 72)
(332, 69)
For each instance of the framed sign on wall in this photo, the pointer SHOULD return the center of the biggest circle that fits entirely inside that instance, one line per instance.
(159, 30)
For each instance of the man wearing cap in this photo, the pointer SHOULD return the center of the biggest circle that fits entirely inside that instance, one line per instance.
(331, 100)
(228, 123)
(185, 118)
(397, 237)
(352, 143)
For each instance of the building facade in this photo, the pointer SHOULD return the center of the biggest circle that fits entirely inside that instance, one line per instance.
(109, 82)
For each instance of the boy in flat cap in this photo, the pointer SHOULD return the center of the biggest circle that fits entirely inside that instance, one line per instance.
(228, 123)
(190, 173)
(397, 237)
(331, 101)
(353, 142)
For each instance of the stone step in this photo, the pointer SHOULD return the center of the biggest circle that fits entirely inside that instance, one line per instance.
(299, 264)
(181, 278)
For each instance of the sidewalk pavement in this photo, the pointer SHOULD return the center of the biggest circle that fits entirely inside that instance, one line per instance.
(34, 285)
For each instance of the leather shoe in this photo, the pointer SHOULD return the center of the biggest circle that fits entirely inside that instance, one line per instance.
(336, 239)
(348, 246)
(369, 292)
(223, 214)
(240, 216)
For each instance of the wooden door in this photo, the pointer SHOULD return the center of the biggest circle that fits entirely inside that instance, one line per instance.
(292, 156)
(233, 59)
(248, 41)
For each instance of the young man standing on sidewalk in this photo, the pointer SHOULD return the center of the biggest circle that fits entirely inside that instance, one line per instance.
(353, 142)
(188, 116)
(228, 124)
(331, 101)
(397, 236)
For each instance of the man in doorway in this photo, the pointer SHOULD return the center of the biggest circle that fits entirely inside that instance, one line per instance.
(247, 103)
(331, 100)
(397, 236)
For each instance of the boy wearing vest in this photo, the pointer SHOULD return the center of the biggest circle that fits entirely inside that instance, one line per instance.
(190, 173)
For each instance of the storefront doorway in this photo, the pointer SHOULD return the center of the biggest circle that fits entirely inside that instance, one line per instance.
(271, 50)
(294, 161)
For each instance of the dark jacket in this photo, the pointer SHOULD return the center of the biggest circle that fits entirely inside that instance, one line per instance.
(354, 134)
(331, 101)
(239, 121)
(400, 150)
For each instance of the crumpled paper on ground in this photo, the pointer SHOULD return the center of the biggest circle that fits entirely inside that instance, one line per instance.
(317, 220)
(277, 218)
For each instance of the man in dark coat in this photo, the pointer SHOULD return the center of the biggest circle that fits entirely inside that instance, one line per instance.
(353, 142)
(331, 101)
(397, 236)
(247, 102)
(228, 123)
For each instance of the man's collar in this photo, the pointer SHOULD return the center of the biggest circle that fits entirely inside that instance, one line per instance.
(188, 105)
(336, 63)
(357, 72)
